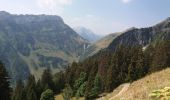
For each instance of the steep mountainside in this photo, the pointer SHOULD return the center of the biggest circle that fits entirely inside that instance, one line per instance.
(113, 66)
(30, 43)
(99, 45)
(87, 34)
(143, 36)
(132, 36)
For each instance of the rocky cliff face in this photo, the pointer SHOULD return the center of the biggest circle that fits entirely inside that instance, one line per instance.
(143, 36)
(30, 43)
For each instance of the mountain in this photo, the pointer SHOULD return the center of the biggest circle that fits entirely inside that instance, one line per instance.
(87, 34)
(124, 60)
(98, 45)
(143, 36)
(31, 43)
(130, 37)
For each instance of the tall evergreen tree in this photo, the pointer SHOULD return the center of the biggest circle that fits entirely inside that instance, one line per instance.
(5, 89)
(97, 87)
(59, 81)
(161, 58)
(47, 80)
(47, 95)
(19, 93)
(39, 89)
(67, 92)
(31, 88)
(80, 84)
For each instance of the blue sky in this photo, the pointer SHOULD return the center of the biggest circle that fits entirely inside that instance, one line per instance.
(101, 16)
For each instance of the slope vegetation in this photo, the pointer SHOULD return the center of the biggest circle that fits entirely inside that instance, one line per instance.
(140, 89)
(31, 43)
(99, 45)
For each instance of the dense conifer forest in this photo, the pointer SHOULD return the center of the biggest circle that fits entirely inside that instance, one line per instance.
(100, 73)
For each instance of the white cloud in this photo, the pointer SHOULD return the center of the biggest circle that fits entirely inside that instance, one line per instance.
(53, 5)
(126, 1)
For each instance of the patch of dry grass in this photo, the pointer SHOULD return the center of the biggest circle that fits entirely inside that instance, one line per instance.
(60, 97)
(107, 96)
(140, 90)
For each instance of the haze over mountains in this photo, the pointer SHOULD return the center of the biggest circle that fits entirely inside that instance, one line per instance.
(87, 34)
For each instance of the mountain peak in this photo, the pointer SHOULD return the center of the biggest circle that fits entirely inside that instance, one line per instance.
(130, 29)
(87, 34)
(168, 19)
(29, 17)
(4, 13)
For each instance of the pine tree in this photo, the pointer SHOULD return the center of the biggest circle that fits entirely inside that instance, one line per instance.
(31, 95)
(91, 78)
(47, 80)
(47, 95)
(39, 89)
(19, 93)
(5, 89)
(161, 56)
(80, 85)
(31, 88)
(59, 81)
(97, 87)
(67, 92)
(80, 81)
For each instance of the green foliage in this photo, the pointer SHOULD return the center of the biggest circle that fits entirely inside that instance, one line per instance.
(5, 89)
(47, 95)
(80, 80)
(39, 89)
(160, 94)
(59, 81)
(19, 92)
(31, 95)
(100, 73)
(31, 88)
(97, 87)
(81, 90)
(161, 56)
(67, 92)
(47, 80)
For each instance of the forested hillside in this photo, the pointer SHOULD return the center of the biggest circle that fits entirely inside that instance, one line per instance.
(111, 69)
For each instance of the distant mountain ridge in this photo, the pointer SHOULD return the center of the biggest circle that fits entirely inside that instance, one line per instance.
(130, 37)
(31, 43)
(143, 36)
(87, 34)
(95, 47)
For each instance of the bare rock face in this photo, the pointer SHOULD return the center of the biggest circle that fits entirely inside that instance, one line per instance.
(30, 43)
(143, 36)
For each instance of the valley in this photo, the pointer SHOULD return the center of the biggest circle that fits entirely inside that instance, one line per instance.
(84, 50)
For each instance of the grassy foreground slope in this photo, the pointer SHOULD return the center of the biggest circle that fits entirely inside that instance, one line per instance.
(140, 89)
(60, 97)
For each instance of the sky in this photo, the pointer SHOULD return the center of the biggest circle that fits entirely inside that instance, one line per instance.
(101, 16)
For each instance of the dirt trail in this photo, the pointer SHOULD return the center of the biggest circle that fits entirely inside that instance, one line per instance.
(124, 89)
